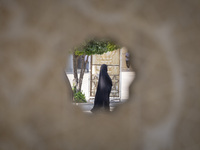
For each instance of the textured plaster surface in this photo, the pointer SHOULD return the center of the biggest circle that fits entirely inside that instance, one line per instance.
(163, 111)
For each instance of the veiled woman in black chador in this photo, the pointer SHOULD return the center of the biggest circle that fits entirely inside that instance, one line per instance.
(101, 101)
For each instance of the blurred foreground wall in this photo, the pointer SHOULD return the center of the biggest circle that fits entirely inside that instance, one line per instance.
(163, 111)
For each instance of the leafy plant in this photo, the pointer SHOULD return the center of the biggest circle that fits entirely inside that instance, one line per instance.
(95, 47)
(79, 97)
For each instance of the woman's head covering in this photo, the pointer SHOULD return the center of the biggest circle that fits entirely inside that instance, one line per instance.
(104, 78)
(104, 68)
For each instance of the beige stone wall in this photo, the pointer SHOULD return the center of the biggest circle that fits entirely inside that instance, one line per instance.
(164, 108)
(112, 59)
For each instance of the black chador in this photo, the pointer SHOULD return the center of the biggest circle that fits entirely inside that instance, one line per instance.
(101, 101)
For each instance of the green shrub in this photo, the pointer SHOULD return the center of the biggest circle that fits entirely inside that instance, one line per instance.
(79, 97)
(74, 90)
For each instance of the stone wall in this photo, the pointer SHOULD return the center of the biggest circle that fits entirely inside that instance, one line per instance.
(163, 111)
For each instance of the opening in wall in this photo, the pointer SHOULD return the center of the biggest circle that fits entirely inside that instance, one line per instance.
(100, 74)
